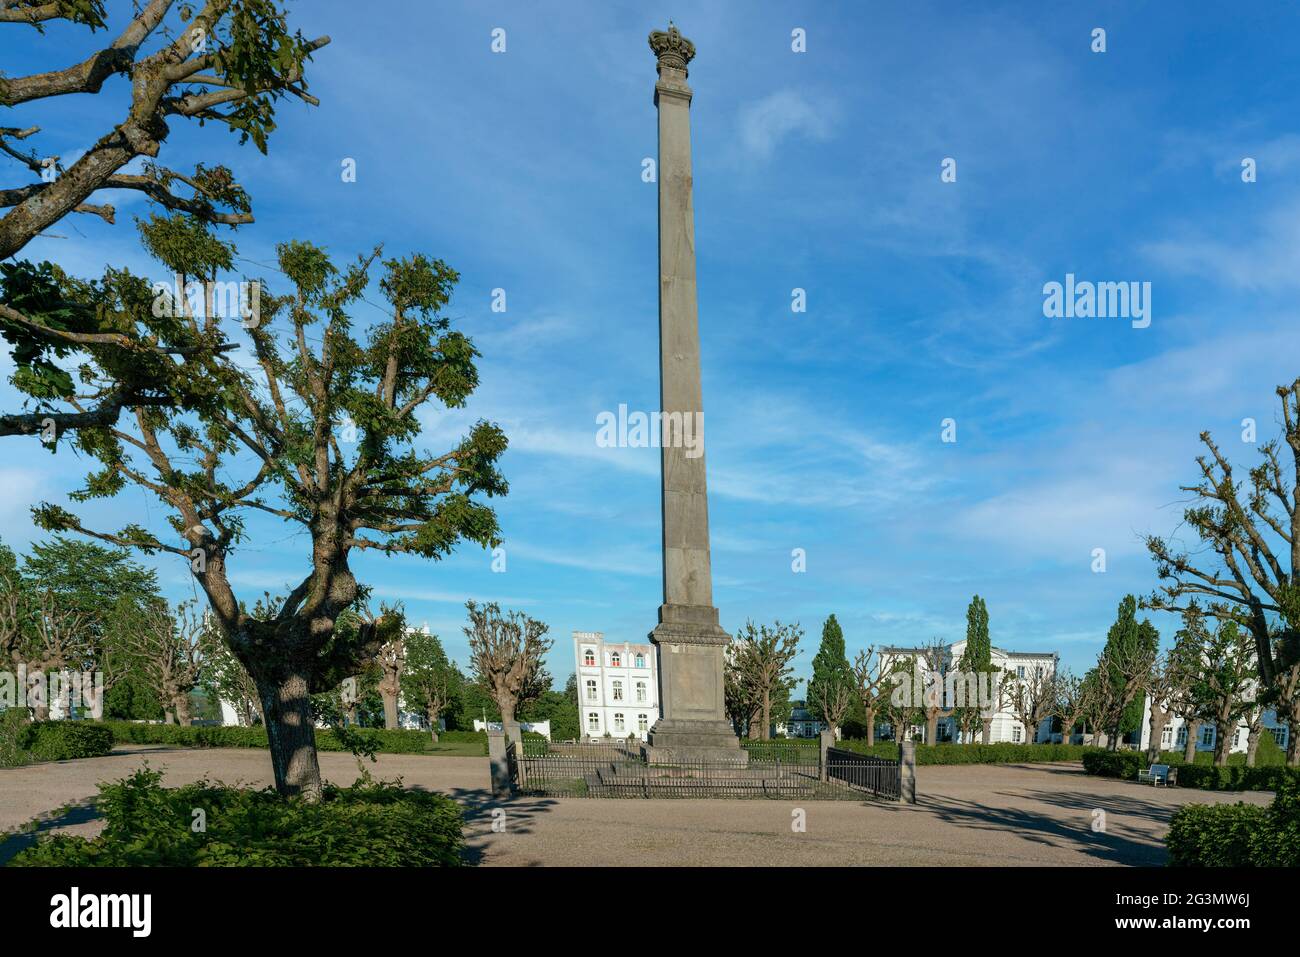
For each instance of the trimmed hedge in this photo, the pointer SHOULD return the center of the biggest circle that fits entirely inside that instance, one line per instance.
(198, 736)
(56, 740)
(1239, 835)
(975, 753)
(1207, 777)
(1116, 764)
(366, 825)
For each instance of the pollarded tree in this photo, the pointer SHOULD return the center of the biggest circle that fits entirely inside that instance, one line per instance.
(1227, 669)
(224, 62)
(873, 679)
(1127, 657)
(937, 664)
(1250, 533)
(831, 690)
(429, 679)
(739, 696)
(506, 653)
(1069, 701)
(392, 663)
(1032, 698)
(1164, 685)
(320, 430)
(763, 657)
(167, 646)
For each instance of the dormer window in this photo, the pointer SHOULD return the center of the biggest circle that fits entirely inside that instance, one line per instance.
(589, 657)
(615, 660)
(640, 661)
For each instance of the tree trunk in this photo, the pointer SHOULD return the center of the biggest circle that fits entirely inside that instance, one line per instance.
(987, 732)
(932, 728)
(183, 708)
(1158, 721)
(391, 721)
(1223, 735)
(291, 734)
(765, 729)
(1252, 743)
(433, 724)
(1293, 741)
(871, 726)
(1189, 746)
(507, 707)
(169, 716)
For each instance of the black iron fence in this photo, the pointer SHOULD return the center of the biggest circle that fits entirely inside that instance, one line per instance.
(617, 768)
(881, 776)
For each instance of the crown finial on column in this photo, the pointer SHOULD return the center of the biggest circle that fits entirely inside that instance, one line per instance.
(671, 48)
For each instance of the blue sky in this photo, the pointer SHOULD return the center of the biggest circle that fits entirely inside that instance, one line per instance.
(817, 170)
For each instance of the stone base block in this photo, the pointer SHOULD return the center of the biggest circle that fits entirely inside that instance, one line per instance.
(693, 742)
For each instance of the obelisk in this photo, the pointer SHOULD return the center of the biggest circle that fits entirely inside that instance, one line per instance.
(690, 642)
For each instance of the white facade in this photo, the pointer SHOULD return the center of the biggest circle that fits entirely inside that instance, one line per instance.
(1174, 737)
(1018, 665)
(618, 686)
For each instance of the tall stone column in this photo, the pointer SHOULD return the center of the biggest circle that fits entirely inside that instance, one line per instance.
(690, 641)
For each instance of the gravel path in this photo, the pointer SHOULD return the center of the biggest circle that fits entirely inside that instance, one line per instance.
(966, 815)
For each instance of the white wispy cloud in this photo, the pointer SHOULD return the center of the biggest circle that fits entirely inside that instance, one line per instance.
(764, 124)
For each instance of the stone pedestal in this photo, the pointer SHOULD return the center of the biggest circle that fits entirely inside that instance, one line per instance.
(690, 642)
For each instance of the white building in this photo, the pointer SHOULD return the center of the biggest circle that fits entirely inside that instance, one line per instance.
(1018, 666)
(1174, 737)
(618, 686)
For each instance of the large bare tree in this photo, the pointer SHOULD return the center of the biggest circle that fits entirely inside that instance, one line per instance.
(506, 653)
(319, 431)
(1250, 537)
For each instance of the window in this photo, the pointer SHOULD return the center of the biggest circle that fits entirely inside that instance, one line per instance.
(1182, 736)
(618, 690)
(591, 689)
(640, 691)
(1166, 736)
(1020, 671)
(642, 723)
(589, 657)
(1207, 736)
(1279, 735)
(1015, 734)
(640, 661)
(615, 660)
(618, 721)
(593, 723)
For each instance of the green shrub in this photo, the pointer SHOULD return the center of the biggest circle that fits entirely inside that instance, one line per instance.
(1239, 835)
(14, 725)
(65, 740)
(1235, 777)
(201, 736)
(366, 825)
(1213, 835)
(1116, 764)
(1004, 753)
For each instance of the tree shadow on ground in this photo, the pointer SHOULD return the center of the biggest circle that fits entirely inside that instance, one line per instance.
(518, 816)
(1118, 843)
(82, 812)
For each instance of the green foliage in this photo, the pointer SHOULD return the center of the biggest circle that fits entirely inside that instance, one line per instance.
(830, 669)
(555, 707)
(14, 723)
(1123, 639)
(366, 825)
(1115, 764)
(1234, 777)
(66, 740)
(1239, 835)
(199, 736)
(976, 753)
